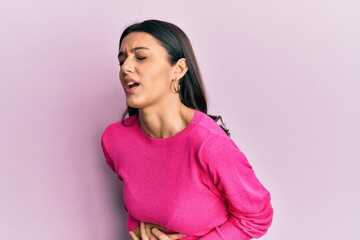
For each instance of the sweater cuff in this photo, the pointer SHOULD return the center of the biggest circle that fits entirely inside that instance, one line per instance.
(132, 223)
(227, 231)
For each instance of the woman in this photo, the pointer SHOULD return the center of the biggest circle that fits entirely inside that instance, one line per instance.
(183, 175)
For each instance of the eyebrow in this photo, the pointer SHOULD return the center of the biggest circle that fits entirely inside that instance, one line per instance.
(121, 53)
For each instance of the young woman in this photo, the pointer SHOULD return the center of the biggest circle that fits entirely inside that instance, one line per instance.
(183, 175)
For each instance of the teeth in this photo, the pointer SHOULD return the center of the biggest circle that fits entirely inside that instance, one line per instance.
(131, 84)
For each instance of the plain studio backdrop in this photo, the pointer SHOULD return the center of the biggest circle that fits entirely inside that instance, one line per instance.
(284, 75)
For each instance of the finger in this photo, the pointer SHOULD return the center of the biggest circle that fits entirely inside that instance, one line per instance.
(160, 227)
(143, 234)
(160, 234)
(152, 225)
(148, 227)
(137, 230)
(133, 235)
(176, 235)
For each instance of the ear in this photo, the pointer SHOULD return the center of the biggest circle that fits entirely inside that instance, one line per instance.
(181, 68)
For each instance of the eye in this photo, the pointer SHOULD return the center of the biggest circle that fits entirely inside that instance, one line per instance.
(140, 57)
(121, 61)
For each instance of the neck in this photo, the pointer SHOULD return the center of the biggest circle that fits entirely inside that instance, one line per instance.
(165, 122)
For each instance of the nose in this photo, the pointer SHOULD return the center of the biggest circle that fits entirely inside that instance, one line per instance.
(127, 66)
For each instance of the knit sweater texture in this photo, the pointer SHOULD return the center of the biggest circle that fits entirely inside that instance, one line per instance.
(196, 182)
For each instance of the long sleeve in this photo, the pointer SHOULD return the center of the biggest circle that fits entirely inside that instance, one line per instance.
(132, 222)
(198, 182)
(250, 210)
(108, 160)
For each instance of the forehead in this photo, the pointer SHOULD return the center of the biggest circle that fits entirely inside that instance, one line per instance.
(139, 39)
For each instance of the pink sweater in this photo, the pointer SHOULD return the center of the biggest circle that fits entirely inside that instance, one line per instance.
(196, 182)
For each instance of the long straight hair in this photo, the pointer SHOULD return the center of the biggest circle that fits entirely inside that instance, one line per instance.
(174, 40)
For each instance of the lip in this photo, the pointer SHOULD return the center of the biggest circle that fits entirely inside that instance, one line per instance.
(127, 80)
(133, 89)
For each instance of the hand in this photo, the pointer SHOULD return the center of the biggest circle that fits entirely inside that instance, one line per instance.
(149, 231)
(148, 227)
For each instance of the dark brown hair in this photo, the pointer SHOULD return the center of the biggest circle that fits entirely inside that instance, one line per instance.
(174, 40)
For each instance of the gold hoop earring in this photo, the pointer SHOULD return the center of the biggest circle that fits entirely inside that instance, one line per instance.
(176, 90)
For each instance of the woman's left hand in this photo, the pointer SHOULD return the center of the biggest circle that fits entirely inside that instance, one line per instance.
(156, 232)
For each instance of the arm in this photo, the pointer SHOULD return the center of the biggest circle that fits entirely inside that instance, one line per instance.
(250, 210)
(132, 222)
(108, 160)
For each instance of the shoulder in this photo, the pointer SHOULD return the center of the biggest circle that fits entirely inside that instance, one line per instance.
(214, 141)
(216, 147)
(207, 130)
(217, 144)
(118, 129)
(206, 126)
(219, 154)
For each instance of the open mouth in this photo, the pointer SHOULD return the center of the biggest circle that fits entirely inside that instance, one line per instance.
(132, 84)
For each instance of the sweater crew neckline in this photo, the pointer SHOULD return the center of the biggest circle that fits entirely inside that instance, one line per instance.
(169, 140)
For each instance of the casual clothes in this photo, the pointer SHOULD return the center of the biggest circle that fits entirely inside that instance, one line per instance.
(196, 182)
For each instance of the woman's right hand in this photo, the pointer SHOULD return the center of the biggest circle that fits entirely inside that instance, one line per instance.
(150, 231)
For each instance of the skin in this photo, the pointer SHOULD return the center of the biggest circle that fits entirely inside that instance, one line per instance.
(161, 113)
(150, 232)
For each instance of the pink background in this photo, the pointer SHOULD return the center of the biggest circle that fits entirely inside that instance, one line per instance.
(284, 74)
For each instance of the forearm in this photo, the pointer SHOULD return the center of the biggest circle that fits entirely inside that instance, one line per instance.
(248, 201)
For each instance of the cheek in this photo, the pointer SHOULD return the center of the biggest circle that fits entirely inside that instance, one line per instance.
(160, 83)
(163, 74)
(121, 74)
(155, 75)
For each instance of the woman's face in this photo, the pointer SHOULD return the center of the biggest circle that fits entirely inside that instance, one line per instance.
(145, 71)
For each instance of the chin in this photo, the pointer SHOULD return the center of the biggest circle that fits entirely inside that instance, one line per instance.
(132, 104)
